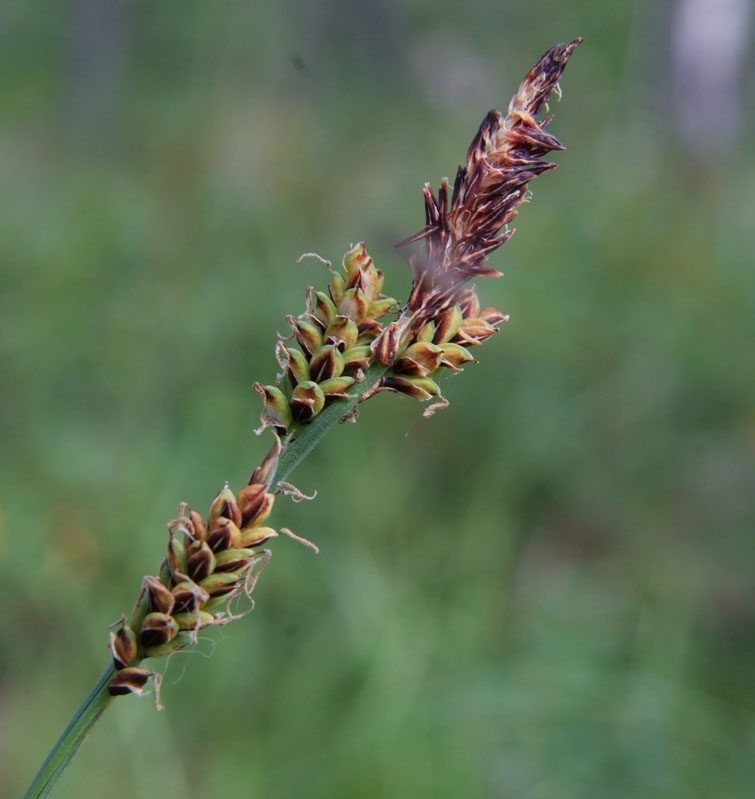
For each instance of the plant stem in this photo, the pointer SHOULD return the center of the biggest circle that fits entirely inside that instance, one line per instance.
(65, 748)
(99, 698)
(299, 447)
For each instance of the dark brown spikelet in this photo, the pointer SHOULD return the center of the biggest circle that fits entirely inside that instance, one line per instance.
(505, 155)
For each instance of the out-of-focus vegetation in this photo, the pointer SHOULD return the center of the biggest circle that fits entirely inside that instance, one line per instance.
(545, 591)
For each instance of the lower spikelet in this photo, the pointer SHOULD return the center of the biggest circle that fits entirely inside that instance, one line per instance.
(208, 564)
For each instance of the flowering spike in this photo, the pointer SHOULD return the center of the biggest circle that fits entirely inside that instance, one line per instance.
(342, 342)
(459, 234)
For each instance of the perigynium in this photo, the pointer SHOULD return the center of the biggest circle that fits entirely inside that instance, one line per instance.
(351, 341)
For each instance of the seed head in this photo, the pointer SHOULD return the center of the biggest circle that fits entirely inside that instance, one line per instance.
(505, 155)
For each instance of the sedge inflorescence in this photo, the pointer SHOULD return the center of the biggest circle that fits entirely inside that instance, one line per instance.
(207, 565)
(333, 337)
(341, 337)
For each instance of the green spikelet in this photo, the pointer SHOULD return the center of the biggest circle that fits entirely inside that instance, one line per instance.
(333, 337)
(208, 564)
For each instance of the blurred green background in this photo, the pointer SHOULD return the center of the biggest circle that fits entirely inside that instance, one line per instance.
(545, 591)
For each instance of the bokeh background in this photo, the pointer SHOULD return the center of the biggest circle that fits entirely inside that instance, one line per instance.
(545, 591)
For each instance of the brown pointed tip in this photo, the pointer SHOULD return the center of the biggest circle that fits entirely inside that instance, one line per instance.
(556, 57)
(563, 51)
(541, 80)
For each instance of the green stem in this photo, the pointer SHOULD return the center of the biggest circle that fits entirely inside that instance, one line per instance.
(305, 441)
(99, 698)
(65, 748)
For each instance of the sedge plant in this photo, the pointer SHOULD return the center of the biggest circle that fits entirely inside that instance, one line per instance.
(351, 342)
